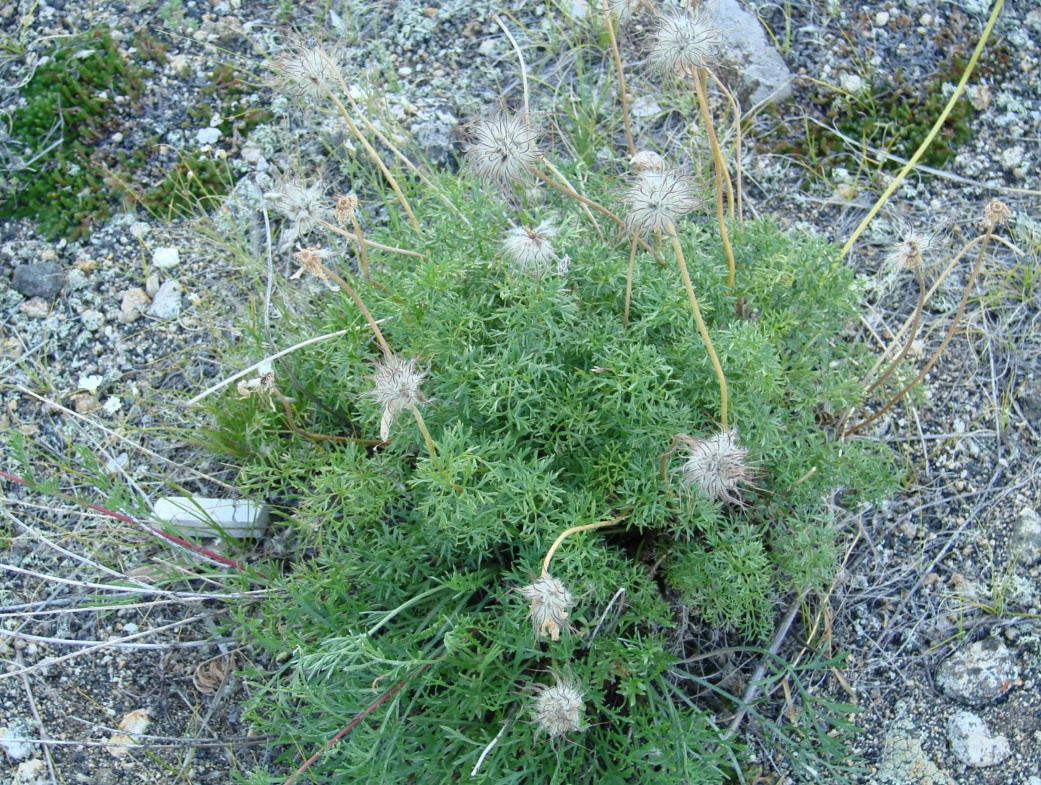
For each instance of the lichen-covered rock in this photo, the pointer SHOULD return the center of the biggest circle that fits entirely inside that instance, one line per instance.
(973, 743)
(979, 673)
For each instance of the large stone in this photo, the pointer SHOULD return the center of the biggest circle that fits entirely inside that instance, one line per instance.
(167, 302)
(973, 743)
(43, 279)
(756, 68)
(979, 673)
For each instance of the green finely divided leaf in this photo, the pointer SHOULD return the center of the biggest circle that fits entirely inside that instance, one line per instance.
(547, 413)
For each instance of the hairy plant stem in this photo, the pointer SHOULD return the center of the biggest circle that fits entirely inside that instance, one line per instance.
(629, 282)
(598, 207)
(363, 308)
(363, 256)
(671, 229)
(915, 323)
(939, 350)
(370, 243)
(738, 168)
(557, 173)
(721, 172)
(423, 429)
(568, 532)
(622, 97)
(375, 157)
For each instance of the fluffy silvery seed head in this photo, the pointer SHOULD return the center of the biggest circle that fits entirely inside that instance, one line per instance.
(303, 205)
(647, 161)
(397, 383)
(622, 10)
(550, 602)
(995, 214)
(312, 260)
(558, 709)
(503, 149)
(530, 250)
(911, 250)
(685, 40)
(716, 466)
(307, 70)
(657, 199)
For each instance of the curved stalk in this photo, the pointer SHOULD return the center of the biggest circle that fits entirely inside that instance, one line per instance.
(568, 532)
(701, 325)
(721, 173)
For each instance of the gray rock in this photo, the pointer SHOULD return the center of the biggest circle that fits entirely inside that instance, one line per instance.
(167, 302)
(44, 279)
(760, 73)
(1029, 398)
(979, 673)
(973, 743)
(1026, 542)
(206, 136)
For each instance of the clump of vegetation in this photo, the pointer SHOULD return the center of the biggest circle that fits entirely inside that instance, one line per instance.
(892, 113)
(539, 441)
(65, 169)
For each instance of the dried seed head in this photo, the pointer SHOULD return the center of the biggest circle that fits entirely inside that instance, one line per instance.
(647, 161)
(346, 207)
(657, 199)
(530, 250)
(397, 383)
(911, 250)
(312, 260)
(685, 40)
(716, 466)
(558, 709)
(308, 70)
(996, 214)
(550, 602)
(503, 149)
(303, 205)
(623, 10)
(263, 384)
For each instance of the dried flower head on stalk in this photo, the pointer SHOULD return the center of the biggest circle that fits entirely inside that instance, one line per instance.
(657, 199)
(396, 388)
(716, 466)
(530, 250)
(346, 208)
(685, 40)
(647, 161)
(995, 214)
(304, 205)
(312, 262)
(550, 602)
(503, 149)
(558, 708)
(308, 70)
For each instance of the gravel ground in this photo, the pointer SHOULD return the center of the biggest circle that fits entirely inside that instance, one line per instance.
(946, 563)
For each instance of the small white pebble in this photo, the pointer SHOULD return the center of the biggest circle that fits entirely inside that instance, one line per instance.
(881, 19)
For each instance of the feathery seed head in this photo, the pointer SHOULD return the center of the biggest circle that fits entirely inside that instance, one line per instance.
(303, 205)
(550, 602)
(346, 206)
(530, 249)
(623, 10)
(396, 387)
(558, 708)
(503, 149)
(911, 250)
(307, 70)
(995, 214)
(685, 40)
(657, 199)
(647, 161)
(312, 260)
(716, 466)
